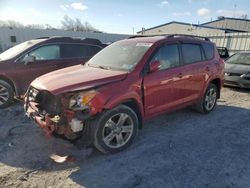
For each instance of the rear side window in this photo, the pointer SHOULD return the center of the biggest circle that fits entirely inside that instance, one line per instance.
(209, 50)
(93, 50)
(168, 55)
(191, 53)
(78, 51)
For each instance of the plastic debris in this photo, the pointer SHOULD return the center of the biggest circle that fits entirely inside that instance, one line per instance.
(61, 159)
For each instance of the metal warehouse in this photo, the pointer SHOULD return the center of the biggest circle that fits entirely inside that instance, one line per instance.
(233, 33)
(220, 26)
(242, 25)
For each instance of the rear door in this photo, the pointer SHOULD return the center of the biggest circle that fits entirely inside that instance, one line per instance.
(195, 69)
(162, 89)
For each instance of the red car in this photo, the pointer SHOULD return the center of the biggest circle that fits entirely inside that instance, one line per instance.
(21, 64)
(107, 99)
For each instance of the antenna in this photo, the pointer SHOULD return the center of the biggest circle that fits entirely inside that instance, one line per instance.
(235, 7)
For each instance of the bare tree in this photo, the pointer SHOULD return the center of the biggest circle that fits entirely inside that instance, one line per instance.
(11, 23)
(35, 26)
(244, 16)
(76, 25)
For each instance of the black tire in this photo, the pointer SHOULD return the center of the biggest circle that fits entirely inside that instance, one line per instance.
(100, 127)
(202, 106)
(6, 94)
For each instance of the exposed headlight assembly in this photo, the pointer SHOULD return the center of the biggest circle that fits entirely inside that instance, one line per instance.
(81, 100)
(246, 76)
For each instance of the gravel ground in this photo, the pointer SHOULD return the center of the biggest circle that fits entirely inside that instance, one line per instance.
(181, 149)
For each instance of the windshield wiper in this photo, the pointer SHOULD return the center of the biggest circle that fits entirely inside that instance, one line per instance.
(99, 66)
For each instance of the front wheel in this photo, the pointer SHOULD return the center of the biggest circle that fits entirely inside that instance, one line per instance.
(115, 129)
(209, 100)
(6, 94)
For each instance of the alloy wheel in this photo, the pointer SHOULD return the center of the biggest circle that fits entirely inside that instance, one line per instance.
(210, 99)
(4, 95)
(118, 130)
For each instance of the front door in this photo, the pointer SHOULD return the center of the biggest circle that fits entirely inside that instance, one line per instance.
(47, 59)
(163, 88)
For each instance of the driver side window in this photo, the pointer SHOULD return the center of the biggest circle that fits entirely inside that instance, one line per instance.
(50, 52)
(168, 55)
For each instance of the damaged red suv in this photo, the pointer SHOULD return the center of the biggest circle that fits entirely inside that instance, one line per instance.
(107, 99)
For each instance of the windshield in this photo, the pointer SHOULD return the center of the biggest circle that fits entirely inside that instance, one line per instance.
(16, 50)
(122, 55)
(240, 58)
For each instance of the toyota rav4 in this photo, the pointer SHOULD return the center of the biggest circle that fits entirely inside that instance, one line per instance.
(107, 100)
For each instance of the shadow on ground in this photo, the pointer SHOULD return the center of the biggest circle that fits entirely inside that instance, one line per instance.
(181, 149)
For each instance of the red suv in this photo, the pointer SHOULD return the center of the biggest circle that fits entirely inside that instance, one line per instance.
(20, 65)
(107, 99)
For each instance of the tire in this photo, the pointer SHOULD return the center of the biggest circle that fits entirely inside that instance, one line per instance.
(208, 101)
(6, 94)
(114, 130)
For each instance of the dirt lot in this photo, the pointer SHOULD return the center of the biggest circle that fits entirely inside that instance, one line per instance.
(181, 149)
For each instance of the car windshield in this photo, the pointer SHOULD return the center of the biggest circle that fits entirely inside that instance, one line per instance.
(240, 58)
(121, 55)
(14, 51)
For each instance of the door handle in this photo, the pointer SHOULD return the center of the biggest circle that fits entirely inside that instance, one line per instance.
(180, 75)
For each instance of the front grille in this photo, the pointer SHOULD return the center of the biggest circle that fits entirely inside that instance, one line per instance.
(47, 103)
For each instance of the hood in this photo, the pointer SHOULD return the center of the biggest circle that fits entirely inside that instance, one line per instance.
(237, 68)
(4, 62)
(76, 78)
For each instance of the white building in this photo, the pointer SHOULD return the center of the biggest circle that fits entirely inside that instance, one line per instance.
(12, 36)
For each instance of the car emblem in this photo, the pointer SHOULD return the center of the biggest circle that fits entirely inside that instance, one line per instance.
(227, 74)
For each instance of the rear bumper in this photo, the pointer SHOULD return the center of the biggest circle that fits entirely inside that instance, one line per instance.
(237, 81)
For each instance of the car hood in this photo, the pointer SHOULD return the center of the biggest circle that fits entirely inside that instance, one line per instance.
(3, 63)
(237, 68)
(76, 78)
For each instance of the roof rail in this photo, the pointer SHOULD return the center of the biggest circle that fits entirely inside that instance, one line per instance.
(42, 38)
(184, 35)
(70, 39)
(171, 36)
(139, 36)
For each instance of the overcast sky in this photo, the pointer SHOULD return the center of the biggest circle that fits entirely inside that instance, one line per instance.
(121, 16)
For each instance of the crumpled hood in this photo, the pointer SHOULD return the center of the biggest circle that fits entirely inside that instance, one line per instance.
(237, 68)
(76, 78)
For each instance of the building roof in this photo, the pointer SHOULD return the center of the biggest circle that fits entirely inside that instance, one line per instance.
(195, 25)
(226, 18)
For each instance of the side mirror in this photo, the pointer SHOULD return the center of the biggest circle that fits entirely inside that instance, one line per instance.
(29, 59)
(155, 66)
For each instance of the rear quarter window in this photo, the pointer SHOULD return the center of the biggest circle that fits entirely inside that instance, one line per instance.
(191, 53)
(209, 50)
(78, 50)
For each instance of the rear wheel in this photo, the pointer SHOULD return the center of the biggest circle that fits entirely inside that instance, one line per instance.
(115, 129)
(6, 94)
(209, 100)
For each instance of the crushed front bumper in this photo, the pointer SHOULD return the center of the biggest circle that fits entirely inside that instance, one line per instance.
(58, 120)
